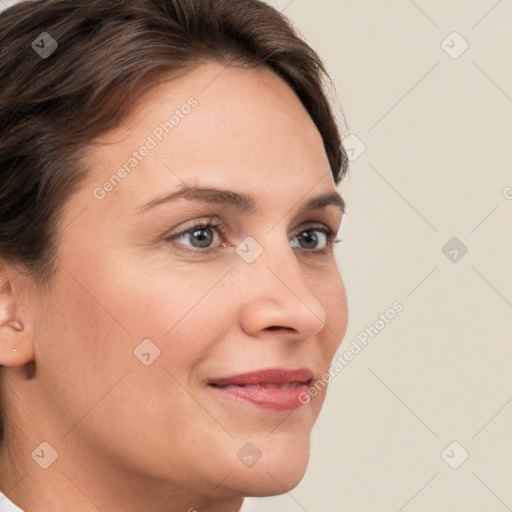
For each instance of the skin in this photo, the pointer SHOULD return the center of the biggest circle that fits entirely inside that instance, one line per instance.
(130, 436)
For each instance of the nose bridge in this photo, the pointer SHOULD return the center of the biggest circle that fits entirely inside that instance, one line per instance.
(283, 296)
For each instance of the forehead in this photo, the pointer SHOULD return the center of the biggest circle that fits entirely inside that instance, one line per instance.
(213, 125)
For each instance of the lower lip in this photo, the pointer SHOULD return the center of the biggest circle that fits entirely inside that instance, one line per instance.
(277, 399)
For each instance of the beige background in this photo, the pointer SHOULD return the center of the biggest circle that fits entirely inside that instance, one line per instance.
(437, 133)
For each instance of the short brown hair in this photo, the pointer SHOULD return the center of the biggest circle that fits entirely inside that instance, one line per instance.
(50, 107)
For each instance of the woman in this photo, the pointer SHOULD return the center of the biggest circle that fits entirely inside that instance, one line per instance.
(169, 291)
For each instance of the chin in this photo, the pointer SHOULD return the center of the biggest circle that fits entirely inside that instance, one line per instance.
(281, 467)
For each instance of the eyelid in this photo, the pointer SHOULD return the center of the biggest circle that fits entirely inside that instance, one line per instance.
(202, 223)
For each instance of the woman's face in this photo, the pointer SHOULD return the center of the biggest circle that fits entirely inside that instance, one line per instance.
(144, 326)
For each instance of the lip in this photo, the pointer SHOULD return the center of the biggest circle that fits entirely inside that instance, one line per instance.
(279, 389)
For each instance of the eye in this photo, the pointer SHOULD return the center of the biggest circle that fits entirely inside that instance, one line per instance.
(201, 236)
(312, 241)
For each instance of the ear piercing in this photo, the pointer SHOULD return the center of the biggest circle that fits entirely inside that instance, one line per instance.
(17, 325)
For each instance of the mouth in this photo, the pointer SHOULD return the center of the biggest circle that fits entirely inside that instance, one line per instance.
(275, 388)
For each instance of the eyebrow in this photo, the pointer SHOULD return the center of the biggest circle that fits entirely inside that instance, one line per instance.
(238, 200)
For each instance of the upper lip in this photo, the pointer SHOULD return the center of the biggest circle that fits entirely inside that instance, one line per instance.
(266, 376)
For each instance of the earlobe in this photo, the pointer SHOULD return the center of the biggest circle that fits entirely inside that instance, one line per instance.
(16, 346)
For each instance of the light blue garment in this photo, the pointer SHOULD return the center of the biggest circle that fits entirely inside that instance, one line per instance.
(8, 506)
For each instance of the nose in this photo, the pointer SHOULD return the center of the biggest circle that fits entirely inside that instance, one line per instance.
(278, 298)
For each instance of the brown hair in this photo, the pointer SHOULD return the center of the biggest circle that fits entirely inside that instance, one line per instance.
(52, 105)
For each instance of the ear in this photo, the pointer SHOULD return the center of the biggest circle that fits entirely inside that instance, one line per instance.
(16, 346)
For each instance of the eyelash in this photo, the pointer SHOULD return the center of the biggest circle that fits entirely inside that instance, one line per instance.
(202, 225)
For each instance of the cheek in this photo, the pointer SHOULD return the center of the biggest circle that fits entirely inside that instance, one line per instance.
(332, 294)
(161, 302)
(87, 338)
(81, 351)
(75, 322)
(175, 306)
